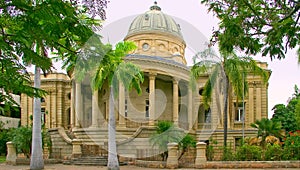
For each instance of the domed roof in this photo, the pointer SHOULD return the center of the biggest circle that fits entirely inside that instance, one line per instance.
(154, 21)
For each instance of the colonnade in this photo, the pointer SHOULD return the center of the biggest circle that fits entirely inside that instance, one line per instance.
(77, 104)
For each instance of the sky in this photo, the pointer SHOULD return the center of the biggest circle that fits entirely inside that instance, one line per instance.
(197, 25)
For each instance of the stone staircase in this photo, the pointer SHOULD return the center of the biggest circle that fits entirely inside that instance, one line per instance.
(88, 161)
(61, 143)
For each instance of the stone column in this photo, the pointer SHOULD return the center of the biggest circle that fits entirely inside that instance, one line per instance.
(95, 110)
(151, 98)
(76, 152)
(121, 106)
(172, 161)
(78, 105)
(73, 116)
(175, 101)
(190, 109)
(11, 154)
(201, 153)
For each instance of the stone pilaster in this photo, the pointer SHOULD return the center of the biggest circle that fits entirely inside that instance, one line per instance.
(175, 101)
(78, 105)
(48, 109)
(251, 107)
(73, 116)
(53, 109)
(258, 103)
(59, 105)
(190, 109)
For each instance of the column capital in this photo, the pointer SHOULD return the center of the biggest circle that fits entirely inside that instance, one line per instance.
(152, 75)
(175, 80)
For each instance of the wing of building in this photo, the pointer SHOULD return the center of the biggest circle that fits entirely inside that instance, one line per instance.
(71, 111)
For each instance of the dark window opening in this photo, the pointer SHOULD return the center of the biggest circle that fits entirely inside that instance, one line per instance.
(147, 109)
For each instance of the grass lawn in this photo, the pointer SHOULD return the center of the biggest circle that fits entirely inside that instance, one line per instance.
(2, 159)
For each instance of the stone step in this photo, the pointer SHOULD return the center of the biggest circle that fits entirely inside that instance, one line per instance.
(87, 161)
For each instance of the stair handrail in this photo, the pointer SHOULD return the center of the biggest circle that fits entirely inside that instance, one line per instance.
(135, 134)
(61, 131)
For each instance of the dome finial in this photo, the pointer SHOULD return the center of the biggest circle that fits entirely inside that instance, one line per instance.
(155, 7)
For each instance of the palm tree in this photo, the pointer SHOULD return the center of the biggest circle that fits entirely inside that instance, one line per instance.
(231, 68)
(267, 127)
(165, 132)
(36, 160)
(113, 69)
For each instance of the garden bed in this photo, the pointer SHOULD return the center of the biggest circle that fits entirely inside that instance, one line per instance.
(225, 164)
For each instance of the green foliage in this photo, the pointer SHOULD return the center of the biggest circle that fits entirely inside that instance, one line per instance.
(273, 153)
(267, 127)
(4, 137)
(289, 115)
(187, 142)
(249, 153)
(210, 149)
(292, 147)
(286, 116)
(166, 133)
(113, 69)
(270, 27)
(228, 71)
(30, 30)
(22, 138)
(2, 159)
(228, 154)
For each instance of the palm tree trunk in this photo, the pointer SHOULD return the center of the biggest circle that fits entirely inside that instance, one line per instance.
(37, 161)
(113, 163)
(225, 116)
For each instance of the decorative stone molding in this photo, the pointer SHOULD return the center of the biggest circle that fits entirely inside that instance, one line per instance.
(172, 161)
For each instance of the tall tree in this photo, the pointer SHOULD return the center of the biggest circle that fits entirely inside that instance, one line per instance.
(114, 70)
(267, 26)
(289, 115)
(228, 71)
(30, 29)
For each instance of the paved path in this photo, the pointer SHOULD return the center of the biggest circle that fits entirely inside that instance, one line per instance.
(69, 167)
(72, 167)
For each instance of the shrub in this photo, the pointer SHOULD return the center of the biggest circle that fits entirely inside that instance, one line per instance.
(187, 142)
(228, 154)
(21, 138)
(273, 153)
(210, 149)
(249, 153)
(166, 133)
(4, 137)
(291, 149)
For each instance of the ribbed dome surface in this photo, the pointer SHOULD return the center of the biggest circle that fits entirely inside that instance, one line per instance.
(154, 21)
